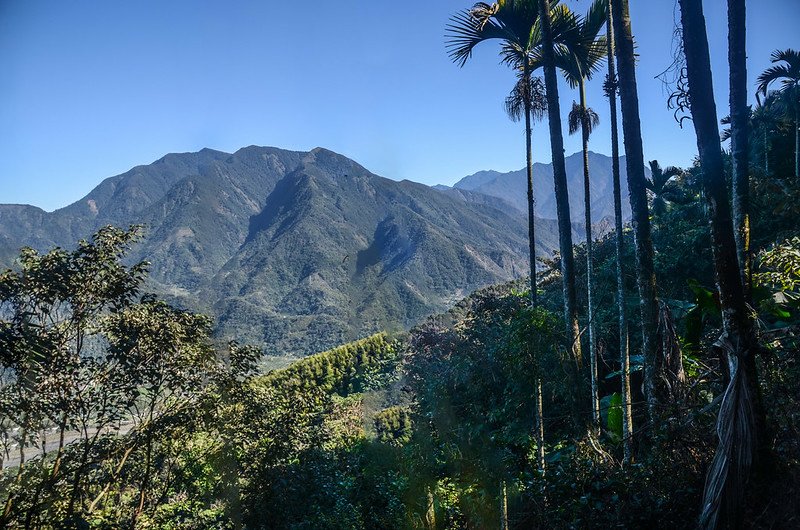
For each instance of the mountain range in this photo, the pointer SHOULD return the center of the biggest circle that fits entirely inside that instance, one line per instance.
(298, 251)
(513, 188)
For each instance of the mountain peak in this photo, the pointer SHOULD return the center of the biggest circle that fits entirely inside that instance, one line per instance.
(298, 251)
(512, 186)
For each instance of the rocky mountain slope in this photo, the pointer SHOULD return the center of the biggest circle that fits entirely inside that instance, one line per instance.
(296, 251)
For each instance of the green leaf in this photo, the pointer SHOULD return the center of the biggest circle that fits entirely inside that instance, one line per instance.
(614, 419)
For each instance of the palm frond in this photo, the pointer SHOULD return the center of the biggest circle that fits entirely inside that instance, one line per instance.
(771, 74)
(466, 30)
(591, 119)
(654, 182)
(580, 118)
(530, 90)
(518, 17)
(538, 98)
(788, 74)
(579, 51)
(512, 54)
(595, 18)
(671, 172)
(792, 57)
(574, 118)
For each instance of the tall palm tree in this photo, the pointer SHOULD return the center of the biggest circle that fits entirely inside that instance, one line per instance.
(527, 100)
(634, 157)
(739, 114)
(661, 187)
(763, 120)
(765, 117)
(788, 75)
(578, 66)
(610, 88)
(524, 37)
(548, 60)
(512, 23)
(740, 425)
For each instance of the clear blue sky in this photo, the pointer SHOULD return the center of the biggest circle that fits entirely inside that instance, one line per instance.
(90, 89)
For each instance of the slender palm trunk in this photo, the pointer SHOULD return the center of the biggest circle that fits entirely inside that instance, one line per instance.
(740, 425)
(766, 153)
(797, 141)
(531, 199)
(539, 427)
(627, 406)
(739, 112)
(503, 506)
(632, 136)
(562, 194)
(532, 248)
(611, 92)
(589, 261)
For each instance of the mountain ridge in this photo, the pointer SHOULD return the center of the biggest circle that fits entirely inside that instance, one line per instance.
(297, 251)
(511, 186)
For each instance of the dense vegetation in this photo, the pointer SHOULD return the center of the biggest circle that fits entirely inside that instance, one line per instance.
(121, 411)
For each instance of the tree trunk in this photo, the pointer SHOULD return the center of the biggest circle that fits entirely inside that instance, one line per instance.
(430, 511)
(587, 201)
(562, 194)
(632, 136)
(627, 405)
(625, 371)
(797, 140)
(531, 199)
(503, 506)
(739, 112)
(740, 425)
(539, 427)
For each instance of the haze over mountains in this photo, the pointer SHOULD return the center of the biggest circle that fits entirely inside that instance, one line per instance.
(513, 187)
(302, 251)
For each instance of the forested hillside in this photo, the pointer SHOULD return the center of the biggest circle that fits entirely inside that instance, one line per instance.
(296, 252)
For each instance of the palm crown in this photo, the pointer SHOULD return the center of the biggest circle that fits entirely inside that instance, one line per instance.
(509, 21)
(787, 74)
(661, 186)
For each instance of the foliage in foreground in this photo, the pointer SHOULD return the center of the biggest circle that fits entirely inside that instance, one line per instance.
(151, 424)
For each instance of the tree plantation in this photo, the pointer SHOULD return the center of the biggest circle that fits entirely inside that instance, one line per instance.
(645, 377)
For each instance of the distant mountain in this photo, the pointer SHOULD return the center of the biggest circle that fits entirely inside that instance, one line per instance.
(297, 251)
(513, 188)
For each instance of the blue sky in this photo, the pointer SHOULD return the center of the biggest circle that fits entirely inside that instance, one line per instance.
(90, 89)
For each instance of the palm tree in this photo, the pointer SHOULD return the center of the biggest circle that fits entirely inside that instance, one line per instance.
(523, 36)
(739, 113)
(762, 121)
(764, 118)
(578, 66)
(662, 187)
(548, 60)
(632, 135)
(610, 88)
(740, 425)
(527, 100)
(789, 77)
(511, 23)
